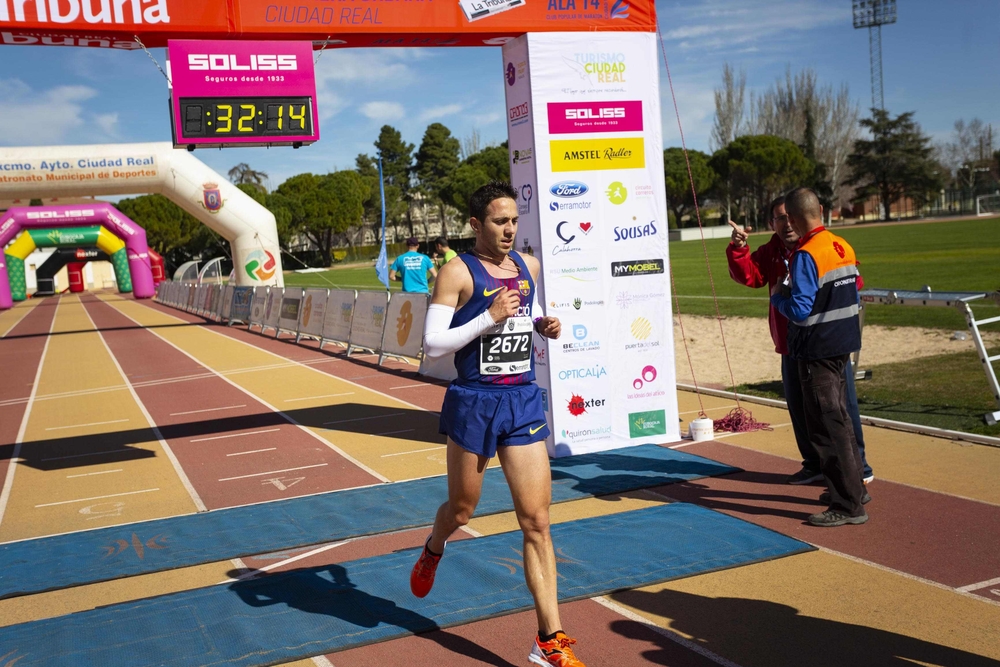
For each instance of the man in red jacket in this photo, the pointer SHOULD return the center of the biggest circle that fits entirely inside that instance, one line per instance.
(768, 266)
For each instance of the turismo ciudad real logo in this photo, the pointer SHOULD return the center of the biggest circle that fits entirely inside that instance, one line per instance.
(598, 67)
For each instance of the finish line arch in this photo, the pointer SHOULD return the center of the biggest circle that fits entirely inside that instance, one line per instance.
(150, 168)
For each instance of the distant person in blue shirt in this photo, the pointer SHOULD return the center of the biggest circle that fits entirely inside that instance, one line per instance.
(411, 268)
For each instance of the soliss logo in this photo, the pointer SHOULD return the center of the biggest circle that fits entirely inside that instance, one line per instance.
(230, 62)
(590, 114)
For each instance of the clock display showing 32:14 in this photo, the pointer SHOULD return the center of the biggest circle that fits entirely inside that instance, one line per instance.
(246, 117)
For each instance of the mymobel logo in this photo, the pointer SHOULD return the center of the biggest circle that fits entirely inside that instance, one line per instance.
(582, 117)
(636, 267)
(642, 424)
(597, 154)
(226, 62)
(82, 11)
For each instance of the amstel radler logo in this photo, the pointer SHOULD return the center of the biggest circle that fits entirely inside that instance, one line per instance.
(597, 154)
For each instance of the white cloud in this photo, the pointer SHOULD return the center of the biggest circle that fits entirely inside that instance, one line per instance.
(484, 119)
(440, 111)
(383, 110)
(47, 117)
(108, 122)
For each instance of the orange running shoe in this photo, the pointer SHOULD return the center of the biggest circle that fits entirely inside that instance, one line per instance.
(556, 652)
(422, 575)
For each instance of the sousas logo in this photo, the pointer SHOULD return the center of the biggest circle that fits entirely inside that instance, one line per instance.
(230, 62)
(635, 231)
(71, 11)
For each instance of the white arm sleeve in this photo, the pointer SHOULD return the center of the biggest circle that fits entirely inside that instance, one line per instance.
(440, 340)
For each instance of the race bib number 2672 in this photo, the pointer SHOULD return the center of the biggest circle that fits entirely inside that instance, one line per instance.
(506, 349)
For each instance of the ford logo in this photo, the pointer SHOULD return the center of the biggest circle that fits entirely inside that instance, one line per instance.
(569, 189)
(493, 369)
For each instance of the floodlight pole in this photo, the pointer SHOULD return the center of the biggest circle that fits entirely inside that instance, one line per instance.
(873, 14)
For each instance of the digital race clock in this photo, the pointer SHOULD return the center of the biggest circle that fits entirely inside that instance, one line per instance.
(228, 93)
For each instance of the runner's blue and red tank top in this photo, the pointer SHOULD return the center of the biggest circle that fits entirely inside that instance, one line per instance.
(502, 356)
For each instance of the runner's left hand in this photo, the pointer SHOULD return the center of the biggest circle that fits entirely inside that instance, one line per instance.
(550, 327)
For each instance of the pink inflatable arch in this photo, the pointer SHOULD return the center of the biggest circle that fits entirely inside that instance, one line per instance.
(15, 219)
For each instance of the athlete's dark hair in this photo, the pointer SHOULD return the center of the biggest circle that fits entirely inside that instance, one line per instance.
(803, 203)
(775, 203)
(481, 198)
(441, 241)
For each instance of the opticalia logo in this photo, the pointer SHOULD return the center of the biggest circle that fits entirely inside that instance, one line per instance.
(522, 155)
(517, 115)
(597, 154)
(642, 424)
(636, 267)
(577, 405)
(598, 68)
(582, 117)
(230, 61)
(635, 231)
(72, 11)
(595, 372)
(566, 189)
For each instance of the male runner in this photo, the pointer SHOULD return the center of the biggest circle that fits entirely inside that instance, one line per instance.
(484, 310)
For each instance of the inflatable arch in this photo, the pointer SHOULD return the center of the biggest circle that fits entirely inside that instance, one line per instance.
(155, 168)
(75, 259)
(98, 224)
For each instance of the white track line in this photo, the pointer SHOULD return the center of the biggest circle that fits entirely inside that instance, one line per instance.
(80, 456)
(981, 584)
(13, 462)
(415, 451)
(195, 412)
(289, 419)
(361, 419)
(113, 421)
(322, 661)
(907, 575)
(664, 632)
(272, 472)
(235, 435)
(20, 319)
(253, 451)
(91, 474)
(273, 566)
(411, 386)
(112, 495)
(406, 430)
(310, 398)
(198, 503)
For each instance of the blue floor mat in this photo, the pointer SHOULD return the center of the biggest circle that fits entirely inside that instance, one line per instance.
(289, 616)
(51, 563)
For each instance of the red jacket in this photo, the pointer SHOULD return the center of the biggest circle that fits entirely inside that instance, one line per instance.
(765, 266)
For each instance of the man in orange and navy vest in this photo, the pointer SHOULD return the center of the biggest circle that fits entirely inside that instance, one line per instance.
(821, 304)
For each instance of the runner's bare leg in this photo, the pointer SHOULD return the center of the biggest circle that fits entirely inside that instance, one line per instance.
(527, 470)
(465, 484)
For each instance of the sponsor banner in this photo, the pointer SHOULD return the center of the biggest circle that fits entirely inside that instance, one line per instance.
(404, 324)
(368, 321)
(272, 309)
(602, 239)
(313, 312)
(288, 312)
(584, 117)
(597, 154)
(242, 303)
(338, 316)
(257, 305)
(226, 310)
(192, 295)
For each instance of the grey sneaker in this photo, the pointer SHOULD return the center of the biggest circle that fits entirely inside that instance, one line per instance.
(825, 498)
(831, 518)
(804, 476)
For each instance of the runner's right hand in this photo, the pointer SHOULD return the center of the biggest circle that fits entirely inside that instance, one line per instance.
(740, 234)
(504, 305)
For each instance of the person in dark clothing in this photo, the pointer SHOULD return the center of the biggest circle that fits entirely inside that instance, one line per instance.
(821, 304)
(768, 265)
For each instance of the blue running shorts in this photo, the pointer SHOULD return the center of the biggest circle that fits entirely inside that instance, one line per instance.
(480, 420)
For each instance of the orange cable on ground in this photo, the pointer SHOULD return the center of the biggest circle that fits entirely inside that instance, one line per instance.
(739, 419)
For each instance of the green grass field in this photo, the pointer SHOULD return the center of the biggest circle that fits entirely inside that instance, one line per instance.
(962, 255)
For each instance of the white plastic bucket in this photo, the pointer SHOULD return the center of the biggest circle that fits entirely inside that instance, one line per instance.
(701, 429)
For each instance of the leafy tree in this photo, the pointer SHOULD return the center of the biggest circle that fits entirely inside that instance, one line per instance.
(465, 180)
(170, 230)
(494, 161)
(243, 174)
(895, 162)
(437, 159)
(679, 197)
(755, 169)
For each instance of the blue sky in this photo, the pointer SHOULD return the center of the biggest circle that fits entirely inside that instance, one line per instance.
(940, 60)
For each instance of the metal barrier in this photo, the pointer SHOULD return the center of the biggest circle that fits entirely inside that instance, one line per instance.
(272, 309)
(241, 301)
(312, 314)
(257, 306)
(338, 318)
(288, 314)
(403, 332)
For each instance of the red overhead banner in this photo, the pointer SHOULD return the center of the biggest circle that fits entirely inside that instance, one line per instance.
(116, 23)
